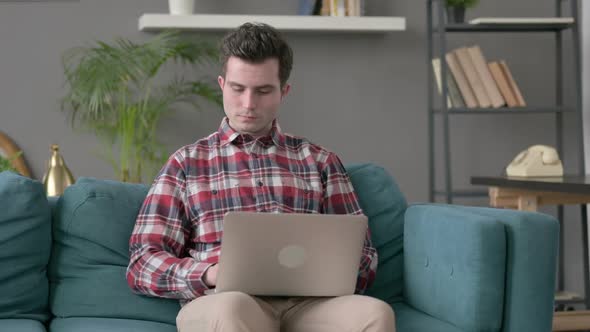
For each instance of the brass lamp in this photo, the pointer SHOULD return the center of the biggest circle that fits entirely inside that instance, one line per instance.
(57, 177)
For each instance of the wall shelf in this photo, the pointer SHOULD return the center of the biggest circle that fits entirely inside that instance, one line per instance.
(362, 24)
(506, 27)
(505, 110)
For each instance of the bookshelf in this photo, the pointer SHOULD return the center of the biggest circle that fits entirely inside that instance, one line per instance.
(439, 31)
(214, 22)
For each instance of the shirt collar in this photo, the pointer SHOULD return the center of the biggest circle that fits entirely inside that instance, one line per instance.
(228, 135)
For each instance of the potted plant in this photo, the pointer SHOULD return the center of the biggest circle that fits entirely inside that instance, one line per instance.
(6, 163)
(181, 7)
(11, 157)
(112, 91)
(456, 9)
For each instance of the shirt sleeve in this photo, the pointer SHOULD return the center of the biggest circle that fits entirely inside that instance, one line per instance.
(159, 265)
(340, 198)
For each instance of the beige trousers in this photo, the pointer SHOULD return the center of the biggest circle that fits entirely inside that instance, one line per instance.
(239, 312)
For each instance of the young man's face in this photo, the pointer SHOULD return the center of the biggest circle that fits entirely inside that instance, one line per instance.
(252, 94)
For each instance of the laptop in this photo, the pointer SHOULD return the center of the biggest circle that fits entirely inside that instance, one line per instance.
(272, 254)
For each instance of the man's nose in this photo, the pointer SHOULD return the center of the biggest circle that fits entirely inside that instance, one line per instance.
(249, 100)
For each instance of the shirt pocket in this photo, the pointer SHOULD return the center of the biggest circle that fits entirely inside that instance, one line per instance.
(209, 201)
(299, 195)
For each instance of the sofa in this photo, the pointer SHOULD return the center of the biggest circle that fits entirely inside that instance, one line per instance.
(443, 268)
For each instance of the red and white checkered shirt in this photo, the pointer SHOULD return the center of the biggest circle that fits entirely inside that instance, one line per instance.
(177, 236)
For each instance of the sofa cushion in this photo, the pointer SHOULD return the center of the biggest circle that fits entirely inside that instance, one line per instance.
(408, 319)
(89, 324)
(92, 225)
(384, 204)
(21, 325)
(25, 245)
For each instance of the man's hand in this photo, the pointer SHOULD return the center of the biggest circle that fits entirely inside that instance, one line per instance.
(210, 277)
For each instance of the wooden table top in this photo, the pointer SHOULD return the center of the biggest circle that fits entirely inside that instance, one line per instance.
(579, 184)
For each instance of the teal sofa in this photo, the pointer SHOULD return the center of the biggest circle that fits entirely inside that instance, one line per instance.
(442, 268)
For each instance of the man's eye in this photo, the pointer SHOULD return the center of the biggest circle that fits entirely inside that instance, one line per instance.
(263, 92)
(238, 89)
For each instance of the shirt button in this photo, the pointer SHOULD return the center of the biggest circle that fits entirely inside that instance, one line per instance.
(214, 191)
(255, 155)
(260, 184)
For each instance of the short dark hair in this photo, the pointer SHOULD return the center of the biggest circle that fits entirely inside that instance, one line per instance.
(256, 42)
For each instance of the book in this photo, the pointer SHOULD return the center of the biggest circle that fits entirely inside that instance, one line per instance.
(489, 84)
(522, 20)
(513, 86)
(361, 7)
(337, 7)
(437, 78)
(306, 7)
(502, 83)
(483, 100)
(454, 98)
(461, 80)
(317, 9)
(453, 91)
(353, 7)
(326, 7)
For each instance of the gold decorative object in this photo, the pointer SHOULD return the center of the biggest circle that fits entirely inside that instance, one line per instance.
(58, 177)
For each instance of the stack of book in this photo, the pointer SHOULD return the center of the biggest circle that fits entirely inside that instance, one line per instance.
(332, 7)
(473, 82)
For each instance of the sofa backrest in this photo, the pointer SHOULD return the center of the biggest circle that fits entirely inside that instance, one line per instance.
(25, 245)
(93, 221)
(385, 205)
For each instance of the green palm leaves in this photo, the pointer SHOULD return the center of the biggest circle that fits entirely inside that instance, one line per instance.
(461, 3)
(6, 162)
(112, 92)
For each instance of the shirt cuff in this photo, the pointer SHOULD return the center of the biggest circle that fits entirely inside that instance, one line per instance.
(201, 279)
(197, 283)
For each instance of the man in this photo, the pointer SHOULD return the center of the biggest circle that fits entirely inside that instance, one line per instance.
(248, 165)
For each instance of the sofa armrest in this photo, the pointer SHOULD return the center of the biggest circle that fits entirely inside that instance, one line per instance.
(480, 268)
(531, 264)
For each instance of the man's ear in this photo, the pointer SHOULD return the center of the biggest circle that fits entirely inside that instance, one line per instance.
(221, 81)
(285, 90)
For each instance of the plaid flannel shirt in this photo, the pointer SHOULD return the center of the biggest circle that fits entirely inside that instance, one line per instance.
(177, 235)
